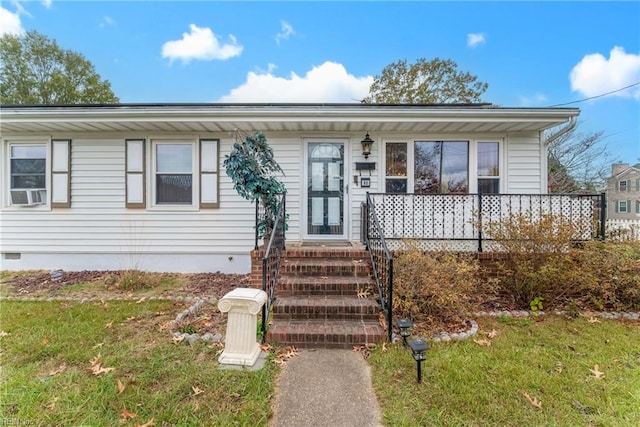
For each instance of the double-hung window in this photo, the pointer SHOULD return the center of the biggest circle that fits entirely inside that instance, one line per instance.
(623, 185)
(488, 168)
(28, 174)
(174, 183)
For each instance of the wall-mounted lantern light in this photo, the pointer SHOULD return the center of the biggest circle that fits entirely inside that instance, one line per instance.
(404, 325)
(418, 350)
(367, 142)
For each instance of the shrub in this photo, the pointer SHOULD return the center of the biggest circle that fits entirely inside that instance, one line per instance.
(133, 280)
(610, 273)
(434, 288)
(539, 258)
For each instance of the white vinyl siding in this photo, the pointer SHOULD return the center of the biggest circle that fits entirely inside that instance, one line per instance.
(524, 165)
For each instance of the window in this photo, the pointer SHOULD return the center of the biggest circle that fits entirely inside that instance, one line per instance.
(488, 168)
(174, 173)
(638, 207)
(623, 186)
(441, 167)
(181, 173)
(396, 167)
(622, 206)
(28, 173)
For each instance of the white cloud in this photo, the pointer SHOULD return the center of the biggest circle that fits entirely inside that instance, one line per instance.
(47, 3)
(595, 75)
(285, 32)
(200, 43)
(475, 39)
(10, 23)
(328, 82)
(107, 21)
(533, 101)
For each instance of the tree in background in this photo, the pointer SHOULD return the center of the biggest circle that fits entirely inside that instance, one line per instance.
(577, 163)
(425, 82)
(35, 70)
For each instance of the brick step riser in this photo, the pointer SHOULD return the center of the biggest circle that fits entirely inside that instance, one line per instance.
(325, 341)
(325, 270)
(334, 255)
(306, 313)
(351, 289)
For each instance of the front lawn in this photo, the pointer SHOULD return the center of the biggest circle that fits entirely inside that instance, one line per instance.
(517, 372)
(113, 363)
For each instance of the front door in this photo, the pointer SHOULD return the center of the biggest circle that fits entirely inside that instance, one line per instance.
(325, 190)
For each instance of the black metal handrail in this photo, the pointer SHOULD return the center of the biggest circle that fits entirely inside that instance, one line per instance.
(460, 217)
(381, 260)
(271, 259)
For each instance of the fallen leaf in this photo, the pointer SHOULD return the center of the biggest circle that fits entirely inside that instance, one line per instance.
(197, 390)
(596, 372)
(121, 387)
(593, 320)
(99, 345)
(147, 424)
(60, 369)
(533, 400)
(163, 326)
(177, 340)
(141, 300)
(4, 334)
(44, 341)
(95, 359)
(52, 405)
(559, 367)
(129, 319)
(492, 334)
(483, 342)
(96, 368)
(363, 293)
(105, 307)
(126, 414)
(108, 325)
(266, 347)
(384, 346)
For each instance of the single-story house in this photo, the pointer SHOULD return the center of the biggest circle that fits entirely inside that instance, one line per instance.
(143, 185)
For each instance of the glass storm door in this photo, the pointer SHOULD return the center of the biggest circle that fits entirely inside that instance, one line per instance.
(325, 189)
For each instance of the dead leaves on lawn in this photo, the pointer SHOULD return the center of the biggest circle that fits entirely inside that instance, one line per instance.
(532, 400)
(96, 367)
(596, 373)
(486, 342)
(283, 355)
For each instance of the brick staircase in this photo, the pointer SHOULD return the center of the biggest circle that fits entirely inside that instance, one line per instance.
(317, 299)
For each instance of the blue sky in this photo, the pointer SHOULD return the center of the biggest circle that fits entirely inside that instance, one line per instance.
(532, 54)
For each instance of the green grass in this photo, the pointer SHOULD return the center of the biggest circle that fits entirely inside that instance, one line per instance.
(159, 375)
(550, 360)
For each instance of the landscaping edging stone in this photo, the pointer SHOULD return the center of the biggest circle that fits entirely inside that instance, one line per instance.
(192, 311)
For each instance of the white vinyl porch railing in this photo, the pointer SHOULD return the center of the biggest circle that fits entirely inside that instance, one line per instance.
(623, 229)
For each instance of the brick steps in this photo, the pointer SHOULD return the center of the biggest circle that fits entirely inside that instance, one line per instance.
(322, 285)
(317, 303)
(325, 307)
(326, 333)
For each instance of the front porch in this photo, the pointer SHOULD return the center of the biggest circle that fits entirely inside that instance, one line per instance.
(333, 296)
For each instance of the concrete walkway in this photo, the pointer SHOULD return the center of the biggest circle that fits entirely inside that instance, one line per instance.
(326, 388)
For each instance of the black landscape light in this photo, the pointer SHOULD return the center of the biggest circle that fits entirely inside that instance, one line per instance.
(418, 350)
(367, 142)
(404, 325)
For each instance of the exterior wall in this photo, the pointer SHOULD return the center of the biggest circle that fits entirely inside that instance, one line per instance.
(99, 232)
(526, 165)
(630, 195)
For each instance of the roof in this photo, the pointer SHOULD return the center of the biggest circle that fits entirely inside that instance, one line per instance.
(378, 118)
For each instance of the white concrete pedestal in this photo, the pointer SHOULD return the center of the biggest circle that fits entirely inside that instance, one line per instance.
(241, 346)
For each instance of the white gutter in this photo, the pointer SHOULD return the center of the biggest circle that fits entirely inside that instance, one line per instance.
(573, 121)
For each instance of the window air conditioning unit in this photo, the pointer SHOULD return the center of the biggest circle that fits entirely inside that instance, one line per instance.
(28, 197)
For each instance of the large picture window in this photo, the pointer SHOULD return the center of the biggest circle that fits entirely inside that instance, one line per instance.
(441, 167)
(174, 173)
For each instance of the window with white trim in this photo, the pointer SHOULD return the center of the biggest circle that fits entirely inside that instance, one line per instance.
(488, 167)
(27, 174)
(622, 206)
(182, 173)
(173, 163)
(434, 167)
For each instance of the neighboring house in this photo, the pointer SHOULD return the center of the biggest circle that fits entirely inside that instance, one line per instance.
(143, 186)
(623, 192)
